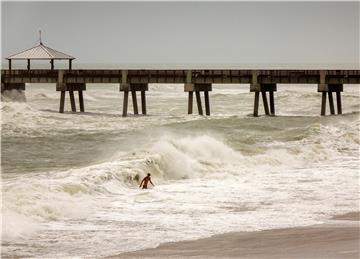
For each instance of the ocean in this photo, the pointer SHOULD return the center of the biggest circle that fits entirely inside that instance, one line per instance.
(69, 181)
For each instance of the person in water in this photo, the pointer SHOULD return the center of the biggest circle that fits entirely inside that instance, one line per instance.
(145, 181)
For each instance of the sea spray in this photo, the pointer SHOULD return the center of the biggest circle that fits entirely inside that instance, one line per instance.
(69, 179)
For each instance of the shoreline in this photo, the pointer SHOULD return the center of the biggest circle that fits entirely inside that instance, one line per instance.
(337, 239)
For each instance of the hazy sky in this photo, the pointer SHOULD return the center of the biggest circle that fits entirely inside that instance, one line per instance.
(188, 32)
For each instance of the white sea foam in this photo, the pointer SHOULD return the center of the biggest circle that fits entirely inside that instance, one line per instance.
(225, 173)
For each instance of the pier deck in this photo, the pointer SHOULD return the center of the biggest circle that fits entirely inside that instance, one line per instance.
(262, 81)
(224, 76)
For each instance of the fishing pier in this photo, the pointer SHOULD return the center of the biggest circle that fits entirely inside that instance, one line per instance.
(199, 81)
(134, 81)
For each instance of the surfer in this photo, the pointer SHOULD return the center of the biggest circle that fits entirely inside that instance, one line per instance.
(145, 181)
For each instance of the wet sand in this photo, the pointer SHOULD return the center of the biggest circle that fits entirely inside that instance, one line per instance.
(337, 239)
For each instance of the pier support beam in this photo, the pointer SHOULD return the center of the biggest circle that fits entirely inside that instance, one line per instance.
(81, 101)
(71, 87)
(133, 88)
(190, 102)
(143, 102)
(264, 88)
(198, 88)
(328, 89)
(256, 104)
(134, 100)
(338, 102)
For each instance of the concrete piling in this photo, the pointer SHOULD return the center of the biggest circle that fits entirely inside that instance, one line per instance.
(338, 102)
(207, 103)
(62, 102)
(323, 104)
(81, 101)
(198, 102)
(256, 104)
(133, 88)
(331, 103)
(265, 103)
(263, 89)
(190, 102)
(198, 88)
(71, 87)
(143, 102)
(125, 103)
(328, 89)
(72, 101)
(134, 100)
(272, 104)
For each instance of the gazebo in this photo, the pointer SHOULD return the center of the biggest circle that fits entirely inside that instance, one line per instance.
(40, 52)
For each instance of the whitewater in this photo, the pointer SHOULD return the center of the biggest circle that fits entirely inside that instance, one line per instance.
(70, 181)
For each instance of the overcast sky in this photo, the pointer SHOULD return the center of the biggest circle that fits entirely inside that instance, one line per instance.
(240, 33)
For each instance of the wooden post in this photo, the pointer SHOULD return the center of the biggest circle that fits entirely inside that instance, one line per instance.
(9, 64)
(190, 102)
(331, 103)
(338, 100)
(143, 102)
(256, 104)
(272, 104)
(323, 104)
(133, 94)
(70, 64)
(265, 102)
(207, 103)
(198, 101)
(62, 102)
(125, 103)
(81, 101)
(72, 101)
(28, 64)
(52, 64)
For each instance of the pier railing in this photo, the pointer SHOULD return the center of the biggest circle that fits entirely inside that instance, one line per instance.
(180, 76)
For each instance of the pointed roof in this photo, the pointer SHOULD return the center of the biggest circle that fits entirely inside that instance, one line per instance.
(40, 52)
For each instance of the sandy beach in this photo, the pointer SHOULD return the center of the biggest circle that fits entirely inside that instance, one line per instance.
(337, 239)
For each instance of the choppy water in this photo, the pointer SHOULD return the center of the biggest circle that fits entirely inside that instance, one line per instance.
(69, 180)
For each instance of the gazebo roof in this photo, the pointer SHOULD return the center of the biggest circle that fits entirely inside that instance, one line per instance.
(40, 52)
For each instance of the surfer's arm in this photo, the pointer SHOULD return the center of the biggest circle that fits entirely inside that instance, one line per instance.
(152, 183)
(141, 183)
